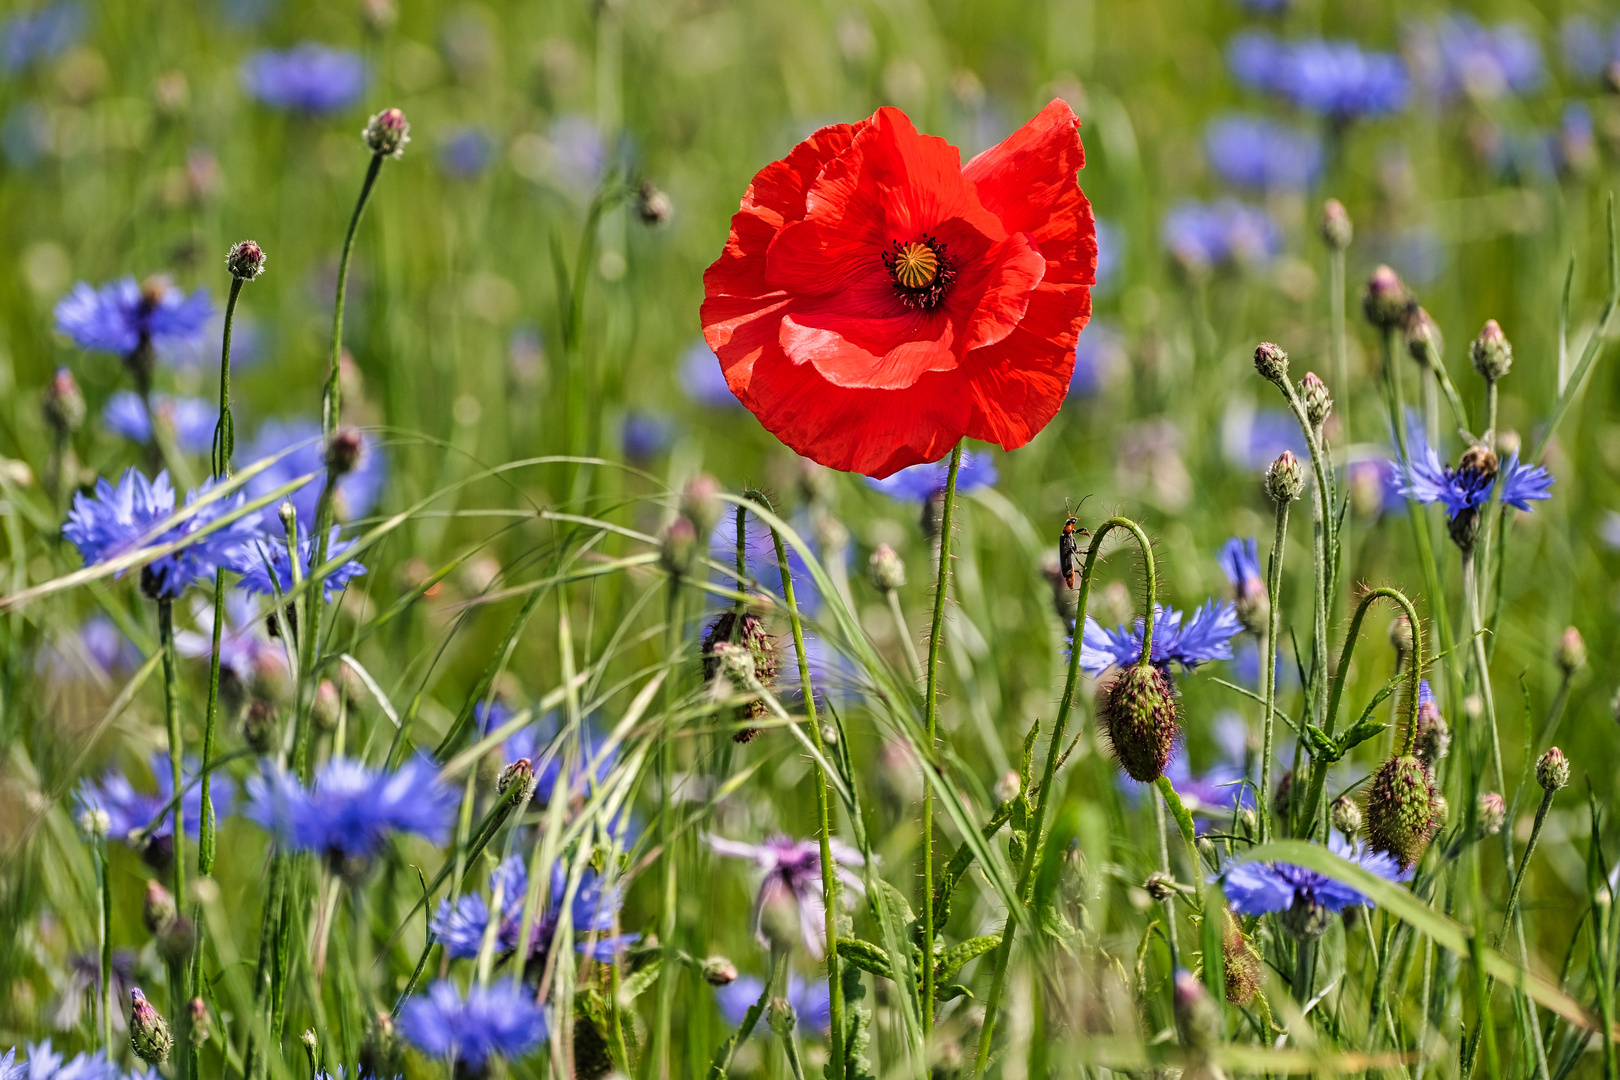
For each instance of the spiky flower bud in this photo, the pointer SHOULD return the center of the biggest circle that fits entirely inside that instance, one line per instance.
(199, 1029)
(781, 1017)
(159, 910)
(1385, 300)
(719, 971)
(1314, 394)
(148, 1032)
(343, 451)
(1423, 339)
(1490, 815)
(1160, 885)
(1285, 478)
(1197, 1017)
(678, 549)
(701, 504)
(1571, 655)
(653, 204)
(749, 646)
(1272, 363)
(1242, 963)
(246, 260)
(63, 404)
(1337, 232)
(379, 1049)
(1139, 716)
(1400, 810)
(518, 773)
(1346, 816)
(387, 133)
(1478, 464)
(1552, 771)
(1491, 352)
(732, 661)
(887, 569)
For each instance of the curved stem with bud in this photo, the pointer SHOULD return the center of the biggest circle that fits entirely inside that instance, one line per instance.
(331, 403)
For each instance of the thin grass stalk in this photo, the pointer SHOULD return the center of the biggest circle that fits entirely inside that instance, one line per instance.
(656, 1066)
(1268, 663)
(171, 712)
(931, 728)
(331, 402)
(104, 939)
(904, 631)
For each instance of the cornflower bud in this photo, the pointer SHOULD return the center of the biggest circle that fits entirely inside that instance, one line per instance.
(326, 706)
(1242, 963)
(887, 569)
(1318, 402)
(1197, 1017)
(1160, 885)
(159, 910)
(309, 1040)
(1306, 919)
(387, 133)
(1552, 771)
(1433, 739)
(343, 451)
(288, 515)
(259, 726)
(200, 1030)
(1571, 655)
(1490, 815)
(1423, 339)
(176, 938)
(1385, 300)
(1400, 810)
(653, 204)
(519, 772)
(1480, 462)
(1337, 232)
(1285, 478)
(1346, 816)
(700, 502)
(1272, 363)
(94, 823)
(148, 1032)
(246, 260)
(1491, 352)
(678, 550)
(63, 404)
(1139, 716)
(719, 971)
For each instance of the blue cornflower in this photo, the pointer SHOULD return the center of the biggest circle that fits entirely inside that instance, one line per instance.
(809, 998)
(1469, 485)
(106, 644)
(1110, 254)
(1458, 56)
(1099, 355)
(1589, 48)
(1203, 236)
(1337, 79)
(1220, 788)
(498, 1020)
(1252, 438)
(466, 152)
(646, 435)
(129, 810)
(579, 153)
(299, 444)
(245, 648)
(45, 1063)
(1306, 897)
(921, 483)
(120, 520)
(310, 78)
(703, 381)
(1204, 636)
(254, 562)
(351, 809)
(190, 420)
(760, 555)
(39, 35)
(124, 317)
(593, 912)
(1240, 562)
(1259, 153)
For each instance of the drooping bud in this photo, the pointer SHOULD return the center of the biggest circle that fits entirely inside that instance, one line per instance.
(781, 1017)
(1337, 232)
(653, 204)
(1490, 815)
(1160, 885)
(887, 569)
(1423, 338)
(343, 451)
(1242, 963)
(1138, 714)
(1571, 655)
(1491, 352)
(678, 548)
(159, 910)
(700, 503)
(719, 971)
(1400, 635)
(1197, 1017)
(387, 133)
(148, 1032)
(1346, 816)
(1285, 478)
(518, 773)
(1400, 810)
(1385, 300)
(750, 647)
(1272, 363)
(1552, 771)
(63, 404)
(246, 260)
(1314, 394)
(199, 1029)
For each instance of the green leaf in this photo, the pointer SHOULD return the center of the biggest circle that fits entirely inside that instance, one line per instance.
(636, 984)
(866, 956)
(952, 992)
(958, 955)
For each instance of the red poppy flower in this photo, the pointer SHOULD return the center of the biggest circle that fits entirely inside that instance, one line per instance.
(877, 301)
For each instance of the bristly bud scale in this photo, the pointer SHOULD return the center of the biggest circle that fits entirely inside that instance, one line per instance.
(653, 204)
(1346, 816)
(519, 772)
(1337, 231)
(1491, 352)
(1400, 811)
(1285, 478)
(343, 451)
(148, 1032)
(1433, 739)
(199, 1028)
(1272, 363)
(387, 133)
(719, 971)
(246, 260)
(1385, 301)
(63, 404)
(1571, 654)
(1552, 771)
(1139, 716)
(700, 502)
(1318, 402)
(748, 659)
(1197, 1017)
(1490, 815)
(887, 569)
(1242, 963)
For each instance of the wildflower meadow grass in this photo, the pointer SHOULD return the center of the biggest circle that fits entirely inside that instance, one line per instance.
(676, 539)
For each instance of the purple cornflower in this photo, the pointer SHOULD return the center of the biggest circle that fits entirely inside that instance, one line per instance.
(811, 1002)
(461, 927)
(1468, 486)
(124, 317)
(498, 1020)
(1204, 636)
(646, 435)
(255, 561)
(245, 649)
(1589, 48)
(129, 810)
(39, 35)
(1457, 56)
(46, 1064)
(122, 519)
(310, 78)
(920, 483)
(465, 153)
(1099, 355)
(1204, 236)
(357, 490)
(703, 381)
(106, 644)
(191, 421)
(1337, 79)
(1252, 438)
(579, 154)
(351, 809)
(1306, 897)
(1261, 154)
(793, 875)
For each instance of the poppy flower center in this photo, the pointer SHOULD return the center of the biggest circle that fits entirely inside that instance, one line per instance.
(921, 273)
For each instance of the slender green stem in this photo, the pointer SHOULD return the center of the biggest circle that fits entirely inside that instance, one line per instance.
(1482, 669)
(1341, 351)
(904, 631)
(657, 1063)
(171, 710)
(104, 940)
(1170, 935)
(742, 561)
(1268, 658)
(331, 404)
(931, 730)
(1054, 754)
